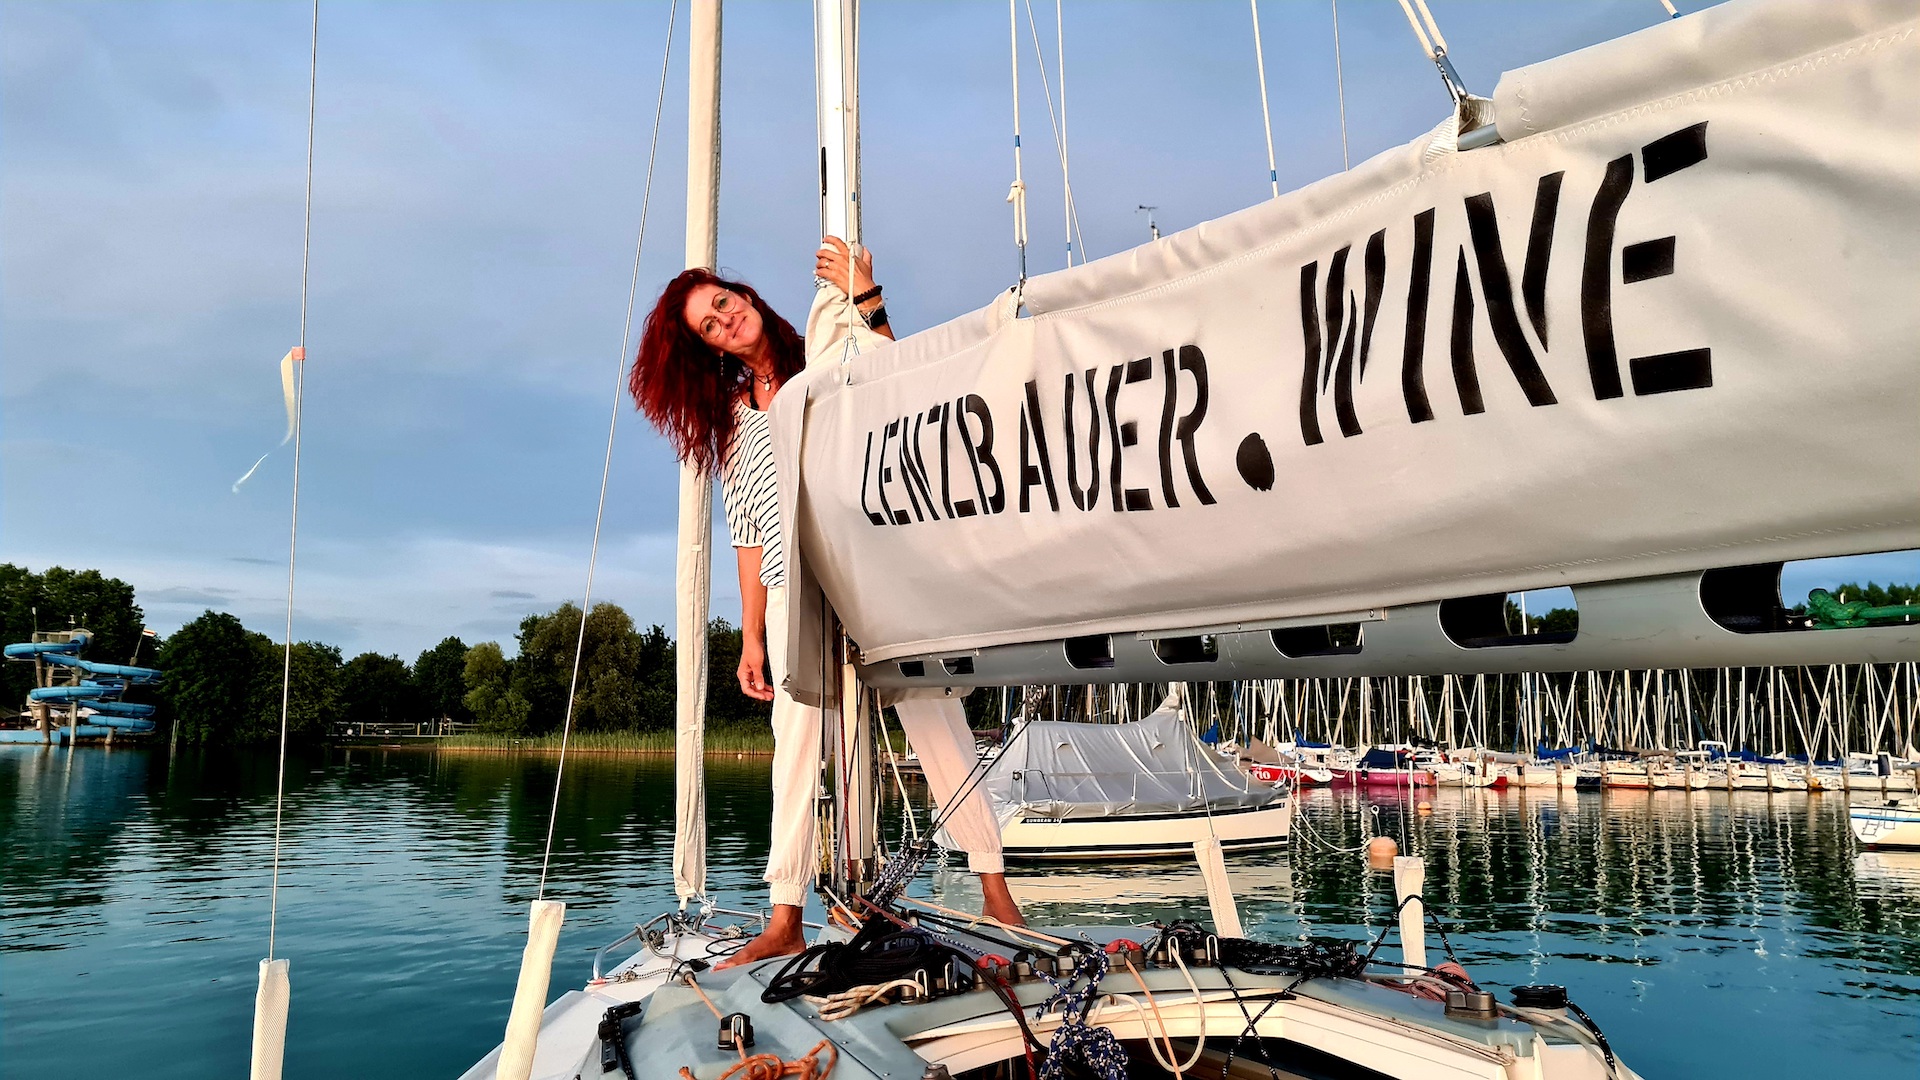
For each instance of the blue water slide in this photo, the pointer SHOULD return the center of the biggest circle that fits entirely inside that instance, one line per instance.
(71, 693)
(58, 735)
(132, 725)
(121, 708)
(28, 649)
(119, 671)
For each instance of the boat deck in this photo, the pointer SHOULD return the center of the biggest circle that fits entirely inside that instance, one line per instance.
(1381, 1030)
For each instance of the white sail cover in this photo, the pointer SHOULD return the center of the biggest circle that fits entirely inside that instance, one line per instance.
(1671, 323)
(1066, 770)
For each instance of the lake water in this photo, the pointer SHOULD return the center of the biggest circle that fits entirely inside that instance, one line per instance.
(1711, 935)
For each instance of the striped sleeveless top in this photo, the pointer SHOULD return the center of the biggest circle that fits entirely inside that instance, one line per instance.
(747, 477)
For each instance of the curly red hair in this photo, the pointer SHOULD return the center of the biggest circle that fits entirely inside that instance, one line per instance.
(686, 387)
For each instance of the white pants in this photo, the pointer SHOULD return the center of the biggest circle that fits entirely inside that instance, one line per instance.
(937, 729)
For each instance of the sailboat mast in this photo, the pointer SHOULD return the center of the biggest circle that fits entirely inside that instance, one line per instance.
(836, 58)
(692, 567)
(849, 741)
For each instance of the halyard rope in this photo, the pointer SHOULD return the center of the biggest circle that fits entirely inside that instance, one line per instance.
(1017, 194)
(1058, 123)
(606, 468)
(293, 527)
(1340, 85)
(1266, 117)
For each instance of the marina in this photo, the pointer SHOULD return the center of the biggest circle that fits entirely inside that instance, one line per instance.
(1682, 922)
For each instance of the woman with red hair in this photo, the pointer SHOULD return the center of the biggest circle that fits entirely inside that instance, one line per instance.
(712, 356)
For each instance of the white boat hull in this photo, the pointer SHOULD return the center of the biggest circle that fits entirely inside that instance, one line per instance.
(1033, 837)
(1893, 824)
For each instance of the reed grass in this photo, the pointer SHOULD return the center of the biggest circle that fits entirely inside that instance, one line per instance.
(726, 739)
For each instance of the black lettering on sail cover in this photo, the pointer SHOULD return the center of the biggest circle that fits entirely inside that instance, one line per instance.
(1489, 306)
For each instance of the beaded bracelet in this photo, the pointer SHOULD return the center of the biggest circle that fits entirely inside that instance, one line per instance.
(868, 295)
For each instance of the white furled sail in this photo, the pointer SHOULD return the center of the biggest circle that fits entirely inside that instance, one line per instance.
(1669, 324)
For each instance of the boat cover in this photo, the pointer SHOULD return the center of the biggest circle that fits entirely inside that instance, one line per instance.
(1668, 324)
(1155, 765)
(1384, 758)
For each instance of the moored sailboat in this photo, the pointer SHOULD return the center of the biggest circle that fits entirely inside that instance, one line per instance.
(980, 598)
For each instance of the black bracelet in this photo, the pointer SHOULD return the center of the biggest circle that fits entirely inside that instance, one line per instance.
(868, 295)
(877, 318)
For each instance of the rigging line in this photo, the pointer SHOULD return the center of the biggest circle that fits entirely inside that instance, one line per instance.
(293, 525)
(975, 776)
(1340, 83)
(1419, 32)
(1436, 43)
(1059, 136)
(606, 468)
(1060, 65)
(1266, 117)
(1017, 194)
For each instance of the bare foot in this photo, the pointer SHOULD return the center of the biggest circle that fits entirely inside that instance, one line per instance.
(782, 937)
(999, 902)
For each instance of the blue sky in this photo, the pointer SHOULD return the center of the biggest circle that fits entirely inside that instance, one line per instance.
(477, 187)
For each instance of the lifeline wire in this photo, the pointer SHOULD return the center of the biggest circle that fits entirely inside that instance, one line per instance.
(1260, 64)
(293, 526)
(613, 424)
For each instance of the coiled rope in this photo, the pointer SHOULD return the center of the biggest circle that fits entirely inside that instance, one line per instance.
(1095, 1047)
(766, 1066)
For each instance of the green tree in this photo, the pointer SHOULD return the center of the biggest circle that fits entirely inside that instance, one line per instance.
(725, 703)
(440, 677)
(312, 695)
(1560, 620)
(654, 676)
(61, 599)
(212, 666)
(1879, 595)
(378, 689)
(490, 695)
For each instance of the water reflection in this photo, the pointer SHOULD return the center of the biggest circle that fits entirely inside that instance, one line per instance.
(1638, 901)
(1688, 922)
(136, 880)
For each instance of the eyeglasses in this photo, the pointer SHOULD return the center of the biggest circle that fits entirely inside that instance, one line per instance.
(724, 303)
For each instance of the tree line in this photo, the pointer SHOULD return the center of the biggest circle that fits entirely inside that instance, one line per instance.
(224, 682)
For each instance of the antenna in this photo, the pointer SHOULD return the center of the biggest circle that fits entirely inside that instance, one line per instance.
(1151, 227)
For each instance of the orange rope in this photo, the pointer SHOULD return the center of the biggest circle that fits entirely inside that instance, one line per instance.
(766, 1066)
(772, 1067)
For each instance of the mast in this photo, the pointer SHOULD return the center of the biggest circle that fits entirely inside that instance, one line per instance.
(845, 713)
(693, 565)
